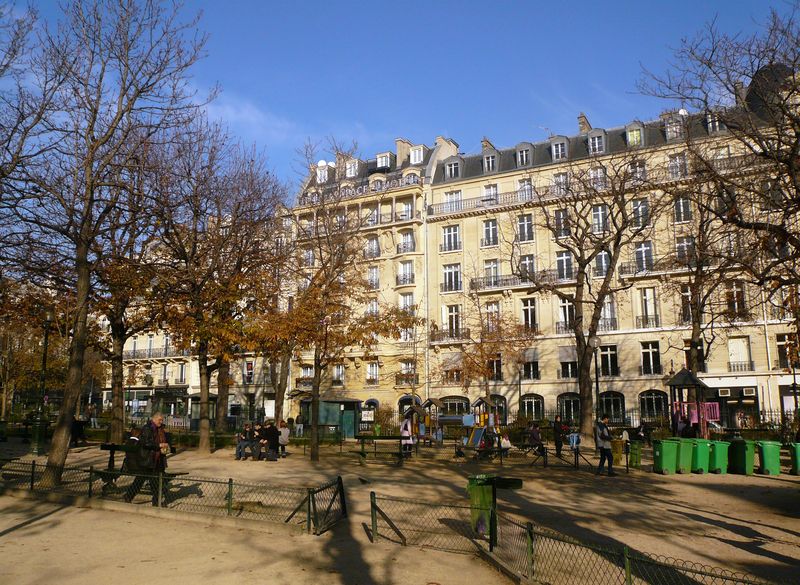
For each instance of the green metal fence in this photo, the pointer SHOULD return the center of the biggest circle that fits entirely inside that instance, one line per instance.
(314, 509)
(536, 553)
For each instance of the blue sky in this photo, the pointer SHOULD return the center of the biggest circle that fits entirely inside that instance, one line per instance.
(373, 71)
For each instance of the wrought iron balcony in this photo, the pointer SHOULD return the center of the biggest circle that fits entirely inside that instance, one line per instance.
(405, 247)
(450, 246)
(449, 335)
(451, 286)
(403, 279)
(648, 322)
(498, 282)
(609, 324)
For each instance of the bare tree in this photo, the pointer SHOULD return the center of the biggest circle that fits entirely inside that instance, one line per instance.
(124, 78)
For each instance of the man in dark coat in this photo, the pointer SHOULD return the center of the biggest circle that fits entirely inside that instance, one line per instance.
(152, 459)
(272, 435)
(535, 438)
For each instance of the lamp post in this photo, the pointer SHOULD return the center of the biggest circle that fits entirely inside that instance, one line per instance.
(40, 422)
(594, 343)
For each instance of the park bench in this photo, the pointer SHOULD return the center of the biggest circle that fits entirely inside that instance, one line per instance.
(110, 474)
(363, 453)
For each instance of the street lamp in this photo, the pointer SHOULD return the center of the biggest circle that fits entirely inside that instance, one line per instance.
(40, 423)
(594, 343)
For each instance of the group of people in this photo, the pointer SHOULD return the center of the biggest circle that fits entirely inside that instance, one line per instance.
(602, 437)
(263, 441)
(560, 432)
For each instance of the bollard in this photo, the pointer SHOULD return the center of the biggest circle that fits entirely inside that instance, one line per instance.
(160, 499)
(373, 510)
(229, 497)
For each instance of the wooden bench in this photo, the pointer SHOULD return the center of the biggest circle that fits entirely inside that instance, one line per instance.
(110, 474)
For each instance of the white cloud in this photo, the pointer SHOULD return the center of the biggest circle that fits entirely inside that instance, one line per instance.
(252, 123)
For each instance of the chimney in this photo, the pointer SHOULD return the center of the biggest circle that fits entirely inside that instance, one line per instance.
(584, 127)
(402, 149)
(486, 144)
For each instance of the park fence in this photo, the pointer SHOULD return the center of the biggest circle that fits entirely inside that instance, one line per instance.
(313, 509)
(534, 553)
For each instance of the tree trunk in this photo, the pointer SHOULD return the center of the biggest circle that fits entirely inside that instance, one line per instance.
(204, 443)
(280, 380)
(586, 392)
(117, 390)
(315, 406)
(59, 449)
(223, 391)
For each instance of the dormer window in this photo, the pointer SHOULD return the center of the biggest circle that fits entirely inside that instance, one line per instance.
(452, 170)
(383, 161)
(674, 128)
(596, 144)
(634, 137)
(523, 157)
(713, 123)
(489, 163)
(322, 174)
(416, 155)
(351, 169)
(559, 150)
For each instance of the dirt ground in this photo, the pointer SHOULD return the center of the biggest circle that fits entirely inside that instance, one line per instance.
(736, 522)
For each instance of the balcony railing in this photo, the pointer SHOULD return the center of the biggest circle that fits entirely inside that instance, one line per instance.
(498, 282)
(402, 279)
(450, 286)
(446, 335)
(155, 352)
(564, 326)
(652, 370)
(371, 253)
(555, 276)
(450, 246)
(740, 367)
(373, 284)
(485, 242)
(405, 247)
(609, 324)
(648, 322)
(406, 379)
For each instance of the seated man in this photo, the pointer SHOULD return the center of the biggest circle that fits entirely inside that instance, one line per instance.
(259, 441)
(535, 438)
(245, 440)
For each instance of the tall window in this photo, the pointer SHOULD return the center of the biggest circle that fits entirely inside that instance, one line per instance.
(492, 310)
(686, 304)
(530, 370)
(674, 128)
(525, 227)
(677, 167)
(609, 366)
(489, 233)
(653, 405)
(452, 170)
(608, 315)
(407, 302)
(638, 171)
(523, 157)
(569, 407)
(249, 372)
(559, 150)
(613, 404)
(405, 272)
(451, 239)
(338, 374)
(373, 372)
(648, 314)
(713, 123)
(684, 249)
(489, 163)
(787, 350)
(561, 223)
(495, 369)
(529, 314)
(383, 161)
(597, 178)
(452, 277)
(560, 183)
(453, 323)
(491, 271)
(602, 262)
(372, 307)
(181, 374)
(566, 314)
(532, 406)
(525, 189)
(634, 137)
(452, 201)
(564, 266)
(416, 155)
(599, 218)
(527, 266)
(641, 212)
(490, 193)
(643, 254)
(373, 249)
(651, 358)
(307, 372)
(373, 280)
(736, 301)
(683, 209)
(351, 169)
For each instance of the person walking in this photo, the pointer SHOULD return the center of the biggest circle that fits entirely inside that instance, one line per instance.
(152, 460)
(283, 439)
(558, 434)
(602, 436)
(298, 425)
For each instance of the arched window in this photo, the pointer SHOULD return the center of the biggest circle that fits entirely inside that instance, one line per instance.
(454, 406)
(406, 401)
(500, 408)
(569, 407)
(532, 407)
(653, 405)
(613, 404)
(372, 403)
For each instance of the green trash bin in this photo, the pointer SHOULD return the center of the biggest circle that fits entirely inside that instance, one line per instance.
(635, 455)
(700, 455)
(665, 454)
(480, 489)
(769, 456)
(718, 457)
(740, 457)
(794, 455)
(684, 461)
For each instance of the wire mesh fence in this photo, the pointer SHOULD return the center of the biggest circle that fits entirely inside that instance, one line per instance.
(321, 507)
(536, 553)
